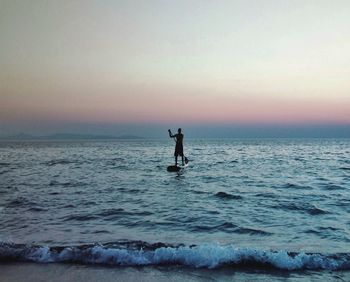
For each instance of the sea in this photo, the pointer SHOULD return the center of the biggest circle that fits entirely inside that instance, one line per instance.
(256, 205)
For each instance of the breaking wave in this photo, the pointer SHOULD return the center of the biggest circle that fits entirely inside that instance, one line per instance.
(138, 253)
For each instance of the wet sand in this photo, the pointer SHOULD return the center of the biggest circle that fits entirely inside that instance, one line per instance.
(85, 273)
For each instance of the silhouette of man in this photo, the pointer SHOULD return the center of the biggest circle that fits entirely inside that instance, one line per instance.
(179, 151)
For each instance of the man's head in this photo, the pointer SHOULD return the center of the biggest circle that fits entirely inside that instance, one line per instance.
(179, 130)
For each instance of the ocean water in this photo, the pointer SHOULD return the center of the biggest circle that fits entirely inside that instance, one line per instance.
(255, 203)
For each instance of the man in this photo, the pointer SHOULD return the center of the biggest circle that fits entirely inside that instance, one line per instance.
(179, 146)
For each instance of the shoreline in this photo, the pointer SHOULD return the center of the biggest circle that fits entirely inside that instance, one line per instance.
(55, 272)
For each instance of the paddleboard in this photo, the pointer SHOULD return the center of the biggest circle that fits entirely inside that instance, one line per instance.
(176, 168)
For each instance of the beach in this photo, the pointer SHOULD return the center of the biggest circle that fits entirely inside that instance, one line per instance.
(81, 273)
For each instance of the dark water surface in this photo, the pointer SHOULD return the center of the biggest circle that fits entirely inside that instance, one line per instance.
(281, 203)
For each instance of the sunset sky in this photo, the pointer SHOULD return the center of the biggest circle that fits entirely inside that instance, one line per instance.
(81, 65)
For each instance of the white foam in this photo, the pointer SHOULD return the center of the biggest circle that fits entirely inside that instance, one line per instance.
(205, 256)
(42, 254)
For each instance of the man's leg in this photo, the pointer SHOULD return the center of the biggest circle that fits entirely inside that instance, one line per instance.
(182, 157)
(175, 160)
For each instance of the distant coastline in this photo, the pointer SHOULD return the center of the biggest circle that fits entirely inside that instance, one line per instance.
(67, 136)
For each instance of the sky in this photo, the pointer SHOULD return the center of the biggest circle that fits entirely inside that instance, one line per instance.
(115, 67)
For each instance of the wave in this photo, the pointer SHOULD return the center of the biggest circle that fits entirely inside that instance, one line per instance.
(67, 184)
(108, 214)
(328, 186)
(302, 207)
(60, 162)
(345, 168)
(296, 186)
(138, 253)
(229, 227)
(228, 196)
(21, 202)
(243, 230)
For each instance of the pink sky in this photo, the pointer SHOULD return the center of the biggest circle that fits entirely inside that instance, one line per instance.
(174, 107)
(199, 62)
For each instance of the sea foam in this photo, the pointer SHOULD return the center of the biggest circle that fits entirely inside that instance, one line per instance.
(200, 256)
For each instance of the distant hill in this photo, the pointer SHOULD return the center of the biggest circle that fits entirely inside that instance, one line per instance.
(67, 136)
(129, 137)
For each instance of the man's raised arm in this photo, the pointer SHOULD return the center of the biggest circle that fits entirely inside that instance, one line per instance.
(170, 135)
